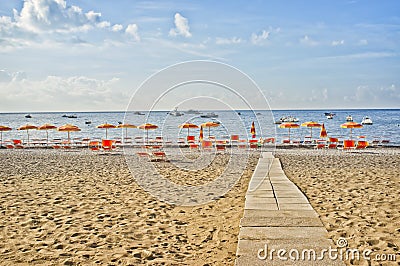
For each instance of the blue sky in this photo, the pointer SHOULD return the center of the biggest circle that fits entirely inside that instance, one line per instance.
(58, 55)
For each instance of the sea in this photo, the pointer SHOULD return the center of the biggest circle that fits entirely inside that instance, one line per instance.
(386, 124)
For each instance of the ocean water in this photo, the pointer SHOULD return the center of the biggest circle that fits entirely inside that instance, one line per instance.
(386, 124)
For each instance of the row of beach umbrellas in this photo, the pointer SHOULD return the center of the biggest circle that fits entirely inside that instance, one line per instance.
(71, 128)
(323, 133)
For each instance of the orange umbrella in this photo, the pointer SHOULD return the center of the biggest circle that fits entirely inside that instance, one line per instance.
(148, 127)
(311, 124)
(209, 125)
(126, 126)
(3, 128)
(47, 127)
(351, 125)
(106, 126)
(27, 127)
(68, 128)
(188, 126)
(201, 134)
(289, 125)
(253, 130)
(323, 134)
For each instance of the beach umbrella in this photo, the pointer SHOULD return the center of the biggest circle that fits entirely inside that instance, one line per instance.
(289, 125)
(68, 128)
(188, 126)
(253, 130)
(210, 125)
(3, 128)
(201, 134)
(311, 124)
(323, 134)
(46, 127)
(147, 127)
(351, 125)
(106, 127)
(126, 126)
(27, 127)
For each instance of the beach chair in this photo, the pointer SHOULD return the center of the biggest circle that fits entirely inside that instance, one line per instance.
(286, 141)
(159, 156)
(385, 142)
(17, 144)
(333, 143)
(253, 143)
(242, 144)
(191, 139)
(94, 145)
(269, 140)
(107, 144)
(234, 139)
(207, 145)
(349, 144)
(321, 144)
(220, 148)
(362, 144)
(193, 146)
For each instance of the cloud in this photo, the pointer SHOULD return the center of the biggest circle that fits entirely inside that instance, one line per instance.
(337, 43)
(61, 93)
(40, 20)
(363, 42)
(258, 38)
(308, 41)
(388, 96)
(233, 40)
(132, 30)
(6, 76)
(181, 27)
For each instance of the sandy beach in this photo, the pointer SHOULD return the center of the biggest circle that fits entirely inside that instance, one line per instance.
(71, 208)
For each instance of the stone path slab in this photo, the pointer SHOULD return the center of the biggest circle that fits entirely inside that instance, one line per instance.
(278, 216)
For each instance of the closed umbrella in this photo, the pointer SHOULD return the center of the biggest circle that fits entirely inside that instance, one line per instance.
(201, 134)
(311, 125)
(27, 127)
(351, 125)
(106, 127)
(148, 127)
(46, 127)
(188, 126)
(253, 130)
(3, 128)
(68, 128)
(323, 134)
(126, 126)
(210, 125)
(289, 125)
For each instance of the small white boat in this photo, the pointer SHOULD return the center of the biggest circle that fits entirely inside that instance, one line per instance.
(191, 111)
(329, 115)
(175, 112)
(209, 115)
(366, 121)
(349, 118)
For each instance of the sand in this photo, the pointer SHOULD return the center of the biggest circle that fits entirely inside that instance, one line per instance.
(68, 208)
(79, 208)
(357, 195)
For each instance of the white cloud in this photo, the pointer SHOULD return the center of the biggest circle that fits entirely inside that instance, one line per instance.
(181, 26)
(132, 30)
(117, 27)
(308, 41)
(388, 96)
(337, 43)
(258, 38)
(363, 42)
(233, 40)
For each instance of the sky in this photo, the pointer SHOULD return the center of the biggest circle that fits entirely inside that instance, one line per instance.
(93, 55)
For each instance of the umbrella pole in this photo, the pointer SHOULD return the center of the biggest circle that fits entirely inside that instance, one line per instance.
(209, 132)
(1, 132)
(68, 138)
(47, 137)
(289, 134)
(188, 132)
(311, 132)
(106, 133)
(27, 132)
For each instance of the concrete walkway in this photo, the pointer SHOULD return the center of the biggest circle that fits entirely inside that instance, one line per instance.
(278, 216)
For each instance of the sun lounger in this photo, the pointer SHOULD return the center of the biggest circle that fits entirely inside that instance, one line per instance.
(159, 156)
(362, 144)
(349, 144)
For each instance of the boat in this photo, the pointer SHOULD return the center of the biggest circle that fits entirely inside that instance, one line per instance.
(28, 116)
(191, 111)
(349, 118)
(329, 115)
(209, 115)
(72, 116)
(175, 112)
(88, 122)
(366, 121)
(138, 113)
(64, 116)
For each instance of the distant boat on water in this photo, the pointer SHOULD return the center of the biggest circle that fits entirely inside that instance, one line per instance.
(209, 115)
(138, 113)
(329, 115)
(349, 118)
(175, 112)
(366, 121)
(28, 116)
(286, 119)
(191, 111)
